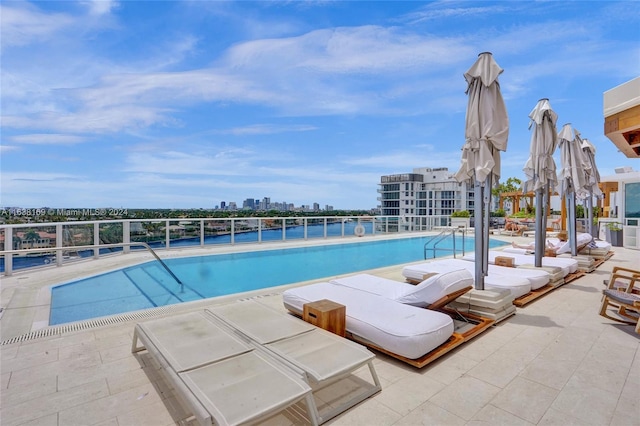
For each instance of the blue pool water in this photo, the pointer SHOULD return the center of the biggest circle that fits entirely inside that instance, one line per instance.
(149, 285)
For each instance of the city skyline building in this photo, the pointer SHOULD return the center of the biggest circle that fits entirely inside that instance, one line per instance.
(426, 192)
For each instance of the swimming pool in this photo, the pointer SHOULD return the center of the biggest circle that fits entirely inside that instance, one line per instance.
(148, 285)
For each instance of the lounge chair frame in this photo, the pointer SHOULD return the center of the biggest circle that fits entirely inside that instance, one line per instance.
(623, 294)
(206, 411)
(245, 329)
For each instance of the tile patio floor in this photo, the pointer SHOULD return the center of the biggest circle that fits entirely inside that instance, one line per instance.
(556, 362)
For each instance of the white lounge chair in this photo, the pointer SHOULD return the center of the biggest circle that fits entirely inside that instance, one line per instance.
(569, 266)
(414, 335)
(519, 286)
(222, 378)
(323, 356)
(433, 292)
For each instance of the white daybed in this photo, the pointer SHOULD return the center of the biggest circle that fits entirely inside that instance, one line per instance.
(400, 329)
(519, 286)
(438, 289)
(568, 266)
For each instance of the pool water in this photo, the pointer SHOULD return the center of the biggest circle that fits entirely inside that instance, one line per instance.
(149, 285)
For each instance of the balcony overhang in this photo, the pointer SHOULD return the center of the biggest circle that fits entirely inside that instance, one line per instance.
(622, 117)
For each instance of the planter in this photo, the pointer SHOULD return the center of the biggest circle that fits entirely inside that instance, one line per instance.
(460, 222)
(614, 237)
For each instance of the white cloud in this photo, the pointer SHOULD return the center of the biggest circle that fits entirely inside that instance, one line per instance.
(46, 139)
(23, 24)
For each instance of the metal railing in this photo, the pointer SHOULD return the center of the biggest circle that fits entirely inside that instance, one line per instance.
(27, 244)
(432, 243)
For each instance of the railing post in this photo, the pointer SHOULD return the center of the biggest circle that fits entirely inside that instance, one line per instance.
(96, 240)
(325, 228)
(167, 233)
(259, 230)
(284, 229)
(59, 244)
(233, 231)
(201, 232)
(305, 228)
(8, 245)
(126, 235)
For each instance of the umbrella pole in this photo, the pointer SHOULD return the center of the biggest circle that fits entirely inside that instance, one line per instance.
(478, 232)
(485, 226)
(540, 231)
(571, 202)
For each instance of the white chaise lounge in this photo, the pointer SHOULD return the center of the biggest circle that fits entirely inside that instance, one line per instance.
(323, 356)
(223, 379)
(519, 286)
(433, 292)
(568, 265)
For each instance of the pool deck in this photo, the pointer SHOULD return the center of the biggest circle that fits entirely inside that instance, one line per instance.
(555, 362)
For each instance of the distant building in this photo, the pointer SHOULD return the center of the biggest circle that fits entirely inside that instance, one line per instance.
(427, 192)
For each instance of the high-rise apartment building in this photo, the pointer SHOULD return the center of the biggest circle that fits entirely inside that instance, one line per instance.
(427, 192)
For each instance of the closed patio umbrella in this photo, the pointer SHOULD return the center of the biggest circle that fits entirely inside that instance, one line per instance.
(592, 177)
(571, 176)
(540, 168)
(486, 134)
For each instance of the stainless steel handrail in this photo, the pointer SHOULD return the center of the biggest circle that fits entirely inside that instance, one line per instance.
(436, 239)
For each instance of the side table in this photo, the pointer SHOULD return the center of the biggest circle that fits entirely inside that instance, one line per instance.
(326, 314)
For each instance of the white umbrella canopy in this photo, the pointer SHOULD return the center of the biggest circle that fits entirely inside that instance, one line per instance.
(486, 134)
(571, 177)
(540, 168)
(487, 122)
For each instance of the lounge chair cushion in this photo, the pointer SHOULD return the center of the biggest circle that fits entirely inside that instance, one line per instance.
(568, 265)
(517, 285)
(405, 330)
(423, 294)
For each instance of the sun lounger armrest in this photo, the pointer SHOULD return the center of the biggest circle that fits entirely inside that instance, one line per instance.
(617, 279)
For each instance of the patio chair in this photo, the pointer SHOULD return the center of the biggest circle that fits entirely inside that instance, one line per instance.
(623, 294)
(222, 378)
(323, 357)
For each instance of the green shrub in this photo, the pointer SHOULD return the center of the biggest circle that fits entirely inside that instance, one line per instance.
(461, 213)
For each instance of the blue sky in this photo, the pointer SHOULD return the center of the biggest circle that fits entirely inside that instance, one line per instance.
(186, 104)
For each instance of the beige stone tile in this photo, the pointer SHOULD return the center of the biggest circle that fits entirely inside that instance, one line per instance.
(465, 397)
(526, 399)
(113, 422)
(448, 369)
(558, 418)
(390, 370)
(8, 352)
(430, 414)
(605, 374)
(30, 360)
(628, 407)
(491, 415)
(409, 392)
(110, 406)
(498, 370)
(4, 380)
(16, 394)
(71, 377)
(591, 405)
(49, 404)
(554, 374)
(372, 413)
(48, 420)
(120, 382)
(55, 342)
(115, 353)
(152, 414)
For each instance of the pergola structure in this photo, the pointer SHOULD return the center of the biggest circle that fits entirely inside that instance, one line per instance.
(622, 117)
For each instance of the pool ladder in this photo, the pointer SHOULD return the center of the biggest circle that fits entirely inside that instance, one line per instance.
(432, 243)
